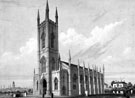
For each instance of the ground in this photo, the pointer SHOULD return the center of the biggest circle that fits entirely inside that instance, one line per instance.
(100, 96)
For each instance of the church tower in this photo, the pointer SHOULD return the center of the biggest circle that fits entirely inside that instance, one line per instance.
(47, 51)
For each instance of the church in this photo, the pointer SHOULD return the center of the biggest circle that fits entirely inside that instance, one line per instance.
(58, 77)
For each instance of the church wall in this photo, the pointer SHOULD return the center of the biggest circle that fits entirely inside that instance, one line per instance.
(64, 82)
(91, 82)
(86, 80)
(102, 79)
(54, 60)
(36, 84)
(74, 80)
(82, 81)
(95, 81)
(55, 75)
(99, 81)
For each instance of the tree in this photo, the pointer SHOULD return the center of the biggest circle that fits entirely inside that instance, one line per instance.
(112, 83)
(129, 84)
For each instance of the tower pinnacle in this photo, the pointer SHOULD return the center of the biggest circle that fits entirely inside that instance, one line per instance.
(69, 56)
(59, 57)
(34, 70)
(84, 64)
(38, 18)
(56, 16)
(103, 68)
(47, 6)
(47, 10)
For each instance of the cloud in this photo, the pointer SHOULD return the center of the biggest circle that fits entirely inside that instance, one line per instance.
(71, 37)
(21, 63)
(97, 35)
(127, 51)
(105, 34)
(127, 55)
(107, 59)
(93, 45)
(70, 40)
(30, 47)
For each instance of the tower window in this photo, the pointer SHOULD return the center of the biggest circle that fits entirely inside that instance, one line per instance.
(43, 64)
(53, 64)
(52, 40)
(55, 84)
(63, 79)
(43, 39)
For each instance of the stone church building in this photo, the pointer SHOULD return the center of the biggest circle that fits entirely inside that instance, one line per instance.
(60, 77)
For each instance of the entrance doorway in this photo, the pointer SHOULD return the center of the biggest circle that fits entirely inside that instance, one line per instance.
(63, 90)
(44, 86)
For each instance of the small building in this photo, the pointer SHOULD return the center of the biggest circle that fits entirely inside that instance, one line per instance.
(119, 87)
(119, 84)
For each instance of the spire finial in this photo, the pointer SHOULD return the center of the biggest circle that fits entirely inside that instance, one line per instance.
(59, 57)
(100, 69)
(78, 63)
(56, 13)
(47, 10)
(34, 70)
(47, 6)
(56, 16)
(38, 18)
(59, 60)
(69, 56)
(84, 64)
(97, 69)
(88, 66)
(103, 68)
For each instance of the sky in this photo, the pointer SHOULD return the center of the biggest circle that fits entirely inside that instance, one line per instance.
(97, 32)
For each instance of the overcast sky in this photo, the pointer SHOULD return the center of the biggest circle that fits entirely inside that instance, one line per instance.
(97, 31)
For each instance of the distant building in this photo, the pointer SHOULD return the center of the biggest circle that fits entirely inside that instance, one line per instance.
(119, 87)
(119, 84)
(13, 85)
(59, 77)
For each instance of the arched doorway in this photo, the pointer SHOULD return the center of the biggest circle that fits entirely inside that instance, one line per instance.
(63, 90)
(44, 86)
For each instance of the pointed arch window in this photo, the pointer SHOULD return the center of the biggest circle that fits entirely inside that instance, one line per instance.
(74, 86)
(53, 64)
(43, 39)
(37, 85)
(81, 78)
(43, 64)
(86, 78)
(52, 39)
(74, 78)
(55, 84)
